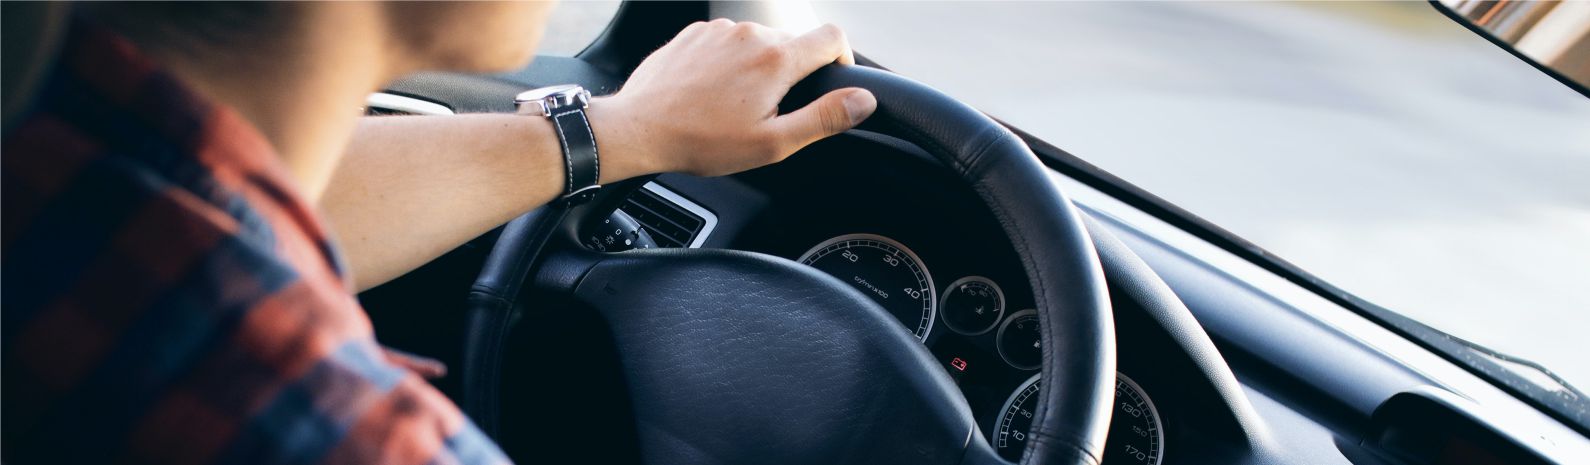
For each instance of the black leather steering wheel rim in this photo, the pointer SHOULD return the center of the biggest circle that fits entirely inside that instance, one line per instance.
(1045, 229)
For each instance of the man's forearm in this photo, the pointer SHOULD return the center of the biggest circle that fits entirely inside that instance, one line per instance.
(410, 188)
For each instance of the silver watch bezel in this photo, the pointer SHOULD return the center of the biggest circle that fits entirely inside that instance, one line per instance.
(548, 100)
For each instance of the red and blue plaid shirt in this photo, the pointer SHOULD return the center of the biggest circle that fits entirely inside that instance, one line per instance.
(168, 297)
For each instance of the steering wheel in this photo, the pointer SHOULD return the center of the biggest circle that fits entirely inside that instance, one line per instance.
(737, 357)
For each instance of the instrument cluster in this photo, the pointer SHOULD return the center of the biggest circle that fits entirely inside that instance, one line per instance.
(965, 320)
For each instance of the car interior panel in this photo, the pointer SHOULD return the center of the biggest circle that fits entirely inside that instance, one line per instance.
(1215, 363)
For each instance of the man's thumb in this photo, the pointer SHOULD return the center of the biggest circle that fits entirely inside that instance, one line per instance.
(828, 115)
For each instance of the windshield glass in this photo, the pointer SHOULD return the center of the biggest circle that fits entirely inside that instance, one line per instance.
(1379, 146)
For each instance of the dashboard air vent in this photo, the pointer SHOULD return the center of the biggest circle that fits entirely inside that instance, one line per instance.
(670, 219)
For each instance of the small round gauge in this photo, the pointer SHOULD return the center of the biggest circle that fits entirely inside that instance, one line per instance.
(1135, 437)
(972, 305)
(884, 270)
(1019, 342)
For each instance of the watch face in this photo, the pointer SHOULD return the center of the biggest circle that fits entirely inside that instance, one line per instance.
(547, 100)
(566, 91)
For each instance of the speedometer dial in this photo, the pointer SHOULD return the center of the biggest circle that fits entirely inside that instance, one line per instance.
(1136, 437)
(884, 270)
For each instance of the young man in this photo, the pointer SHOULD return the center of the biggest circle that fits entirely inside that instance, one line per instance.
(190, 202)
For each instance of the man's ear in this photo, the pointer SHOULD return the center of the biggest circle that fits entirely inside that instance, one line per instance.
(32, 33)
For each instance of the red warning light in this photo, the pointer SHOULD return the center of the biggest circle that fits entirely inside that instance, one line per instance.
(958, 363)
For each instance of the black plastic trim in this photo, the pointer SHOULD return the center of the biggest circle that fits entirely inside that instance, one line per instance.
(1419, 428)
(636, 30)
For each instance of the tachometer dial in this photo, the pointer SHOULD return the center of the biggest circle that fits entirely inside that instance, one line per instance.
(884, 270)
(972, 305)
(1019, 342)
(1136, 437)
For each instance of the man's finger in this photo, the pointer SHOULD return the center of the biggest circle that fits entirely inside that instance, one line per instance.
(828, 115)
(426, 367)
(819, 47)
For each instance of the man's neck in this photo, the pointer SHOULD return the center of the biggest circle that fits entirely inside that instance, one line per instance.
(302, 89)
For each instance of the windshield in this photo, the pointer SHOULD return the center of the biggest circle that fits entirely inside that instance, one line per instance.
(1379, 146)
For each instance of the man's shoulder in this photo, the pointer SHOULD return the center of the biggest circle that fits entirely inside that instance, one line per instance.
(58, 175)
(120, 278)
(82, 218)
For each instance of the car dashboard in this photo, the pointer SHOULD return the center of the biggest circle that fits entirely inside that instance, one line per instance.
(877, 213)
(1218, 361)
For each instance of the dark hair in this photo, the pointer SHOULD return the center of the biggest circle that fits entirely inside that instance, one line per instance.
(188, 27)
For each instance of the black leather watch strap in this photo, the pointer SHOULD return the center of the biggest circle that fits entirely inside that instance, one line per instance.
(583, 166)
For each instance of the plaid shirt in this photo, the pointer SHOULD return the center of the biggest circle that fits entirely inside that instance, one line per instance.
(168, 297)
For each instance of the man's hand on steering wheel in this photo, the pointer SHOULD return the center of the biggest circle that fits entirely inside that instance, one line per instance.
(707, 102)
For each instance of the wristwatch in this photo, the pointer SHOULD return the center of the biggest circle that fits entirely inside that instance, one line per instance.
(565, 105)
